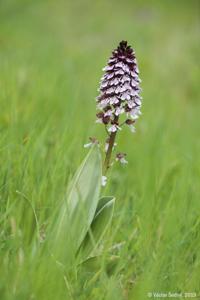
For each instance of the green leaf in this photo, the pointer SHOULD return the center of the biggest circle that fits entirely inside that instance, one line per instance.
(78, 210)
(102, 201)
(98, 227)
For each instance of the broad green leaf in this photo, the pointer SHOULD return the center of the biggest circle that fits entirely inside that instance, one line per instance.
(98, 227)
(78, 210)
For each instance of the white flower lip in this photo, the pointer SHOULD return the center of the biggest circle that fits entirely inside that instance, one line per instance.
(119, 72)
(114, 100)
(114, 128)
(108, 113)
(119, 111)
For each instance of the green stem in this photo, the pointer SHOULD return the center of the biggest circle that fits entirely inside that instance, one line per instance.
(110, 148)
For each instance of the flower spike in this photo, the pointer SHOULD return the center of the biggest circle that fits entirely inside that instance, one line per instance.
(119, 88)
(119, 95)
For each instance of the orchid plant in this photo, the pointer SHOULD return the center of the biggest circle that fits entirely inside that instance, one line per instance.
(84, 216)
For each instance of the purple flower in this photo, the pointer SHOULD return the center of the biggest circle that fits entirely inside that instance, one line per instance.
(119, 89)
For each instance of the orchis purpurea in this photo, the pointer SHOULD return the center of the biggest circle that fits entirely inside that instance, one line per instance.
(119, 100)
(83, 218)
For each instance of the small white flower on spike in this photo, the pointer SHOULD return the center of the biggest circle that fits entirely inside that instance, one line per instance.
(114, 128)
(131, 104)
(119, 72)
(121, 158)
(114, 100)
(119, 111)
(108, 113)
(104, 84)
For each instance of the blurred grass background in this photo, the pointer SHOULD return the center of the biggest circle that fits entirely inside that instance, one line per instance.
(51, 56)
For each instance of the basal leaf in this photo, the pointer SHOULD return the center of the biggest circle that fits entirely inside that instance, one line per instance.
(98, 227)
(78, 210)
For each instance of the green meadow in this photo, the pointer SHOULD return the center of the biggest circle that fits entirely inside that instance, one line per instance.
(51, 59)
